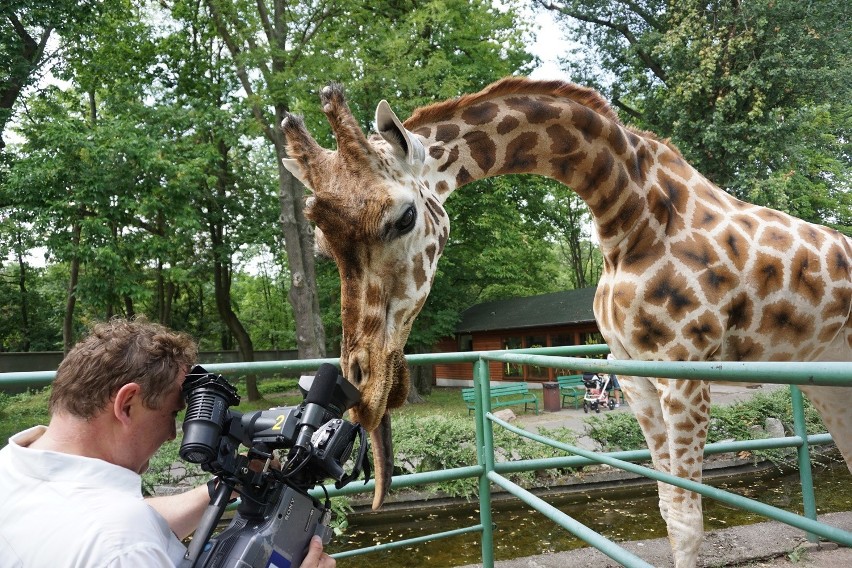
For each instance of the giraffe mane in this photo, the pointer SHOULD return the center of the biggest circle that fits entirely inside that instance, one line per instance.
(585, 96)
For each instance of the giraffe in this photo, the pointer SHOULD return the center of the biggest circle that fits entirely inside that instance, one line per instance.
(690, 273)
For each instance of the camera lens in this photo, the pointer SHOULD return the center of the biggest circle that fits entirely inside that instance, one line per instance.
(208, 397)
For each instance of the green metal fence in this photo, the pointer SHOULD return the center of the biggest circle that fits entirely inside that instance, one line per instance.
(577, 358)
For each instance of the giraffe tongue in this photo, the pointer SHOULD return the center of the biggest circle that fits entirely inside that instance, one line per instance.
(382, 459)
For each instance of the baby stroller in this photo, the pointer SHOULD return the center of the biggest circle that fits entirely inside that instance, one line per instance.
(597, 393)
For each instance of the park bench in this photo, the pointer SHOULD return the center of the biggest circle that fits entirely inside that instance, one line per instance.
(508, 394)
(571, 388)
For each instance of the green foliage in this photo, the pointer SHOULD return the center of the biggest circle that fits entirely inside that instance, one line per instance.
(742, 420)
(21, 411)
(444, 441)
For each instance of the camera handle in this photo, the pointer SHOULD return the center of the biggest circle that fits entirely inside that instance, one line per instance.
(209, 520)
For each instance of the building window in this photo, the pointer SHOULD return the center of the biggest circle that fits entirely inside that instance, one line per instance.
(534, 372)
(465, 342)
(513, 370)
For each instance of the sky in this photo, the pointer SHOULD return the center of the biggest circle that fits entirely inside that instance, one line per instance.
(549, 44)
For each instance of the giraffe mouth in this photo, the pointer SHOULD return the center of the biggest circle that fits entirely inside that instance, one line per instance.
(381, 391)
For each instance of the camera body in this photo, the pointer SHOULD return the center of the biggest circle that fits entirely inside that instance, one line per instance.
(277, 517)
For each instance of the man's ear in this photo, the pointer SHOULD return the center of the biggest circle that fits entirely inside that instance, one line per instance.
(124, 400)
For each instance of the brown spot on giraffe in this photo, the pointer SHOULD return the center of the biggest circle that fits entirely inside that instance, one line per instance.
(671, 290)
(779, 239)
(520, 153)
(483, 150)
(479, 114)
(735, 247)
(783, 321)
(507, 124)
(452, 158)
(703, 331)
(446, 132)
(535, 110)
(651, 332)
(767, 274)
(419, 272)
(740, 312)
(805, 277)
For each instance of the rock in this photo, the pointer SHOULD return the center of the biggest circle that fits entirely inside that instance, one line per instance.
(506, 415)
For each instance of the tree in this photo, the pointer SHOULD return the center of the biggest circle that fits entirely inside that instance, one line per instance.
(755, 94)
(25, 29)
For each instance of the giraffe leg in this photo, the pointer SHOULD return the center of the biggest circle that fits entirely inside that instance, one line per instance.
(674, 416)
(834, 406)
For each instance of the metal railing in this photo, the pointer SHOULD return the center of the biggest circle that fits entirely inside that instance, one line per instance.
(488, 472)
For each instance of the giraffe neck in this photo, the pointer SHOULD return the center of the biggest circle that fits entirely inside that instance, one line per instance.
(585, 147)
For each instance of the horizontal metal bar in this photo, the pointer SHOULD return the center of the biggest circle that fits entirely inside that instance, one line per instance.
(407, 542)
(400, 481)
(645, 455)
(785, 373)
(570, 524)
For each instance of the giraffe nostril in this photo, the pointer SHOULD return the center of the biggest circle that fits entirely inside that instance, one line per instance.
(355, 375)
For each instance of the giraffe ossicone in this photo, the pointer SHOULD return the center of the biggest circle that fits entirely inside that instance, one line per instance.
(690, 272)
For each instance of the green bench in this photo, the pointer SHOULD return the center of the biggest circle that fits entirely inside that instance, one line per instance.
(571, 388)
(507, 394)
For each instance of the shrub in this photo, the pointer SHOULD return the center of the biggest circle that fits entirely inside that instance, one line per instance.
(742, 420)
(444, 441)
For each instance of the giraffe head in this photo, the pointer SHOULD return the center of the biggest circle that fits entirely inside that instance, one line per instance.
(385, 231)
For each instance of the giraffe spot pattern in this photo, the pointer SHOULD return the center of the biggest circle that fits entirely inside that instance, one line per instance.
(806, 278)
(535, 110)
(651, 332)
(480, 114)
(520, 153)
(447, 132)
(782, 321)
(671, 290)
(482, 149)
(703, 331)
(587, 122)
(452, 157)
(507, 124)
(767, 274)
(740, 312)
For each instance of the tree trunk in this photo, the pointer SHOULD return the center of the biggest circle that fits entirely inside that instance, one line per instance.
(222, 286)
(22, 285)
(68, 322)
(299, 241)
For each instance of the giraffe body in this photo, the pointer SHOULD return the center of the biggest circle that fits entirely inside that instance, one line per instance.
(690, 273)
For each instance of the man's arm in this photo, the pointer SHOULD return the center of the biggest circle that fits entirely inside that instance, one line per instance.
(182, 511)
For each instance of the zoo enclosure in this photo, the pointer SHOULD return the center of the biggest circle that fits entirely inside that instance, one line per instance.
(488, 472)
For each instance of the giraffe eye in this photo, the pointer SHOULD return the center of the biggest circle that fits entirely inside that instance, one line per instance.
(407, 221)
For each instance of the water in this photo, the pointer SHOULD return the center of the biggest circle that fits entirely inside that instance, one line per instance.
(619, 515)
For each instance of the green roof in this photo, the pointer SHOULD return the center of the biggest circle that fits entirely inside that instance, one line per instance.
(557, 308)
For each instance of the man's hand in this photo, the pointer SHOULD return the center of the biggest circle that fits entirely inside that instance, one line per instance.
(316, 558)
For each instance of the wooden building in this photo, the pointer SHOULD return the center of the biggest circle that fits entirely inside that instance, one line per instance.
(548, 320)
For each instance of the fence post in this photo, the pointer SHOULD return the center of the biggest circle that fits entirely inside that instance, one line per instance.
(485, 456)
(805, 476)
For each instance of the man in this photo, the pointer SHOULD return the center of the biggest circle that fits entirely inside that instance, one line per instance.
(71, 492)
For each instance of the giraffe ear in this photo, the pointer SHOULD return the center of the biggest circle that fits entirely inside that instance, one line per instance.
(294, 168)
(404, 143)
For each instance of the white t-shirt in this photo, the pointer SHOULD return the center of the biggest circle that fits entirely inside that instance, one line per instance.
(61, 511)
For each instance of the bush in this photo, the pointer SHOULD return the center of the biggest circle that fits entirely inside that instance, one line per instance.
(742, 420)
(21, 411)
(444, 441)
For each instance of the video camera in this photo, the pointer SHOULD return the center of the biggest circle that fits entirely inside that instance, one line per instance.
(277, 517)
